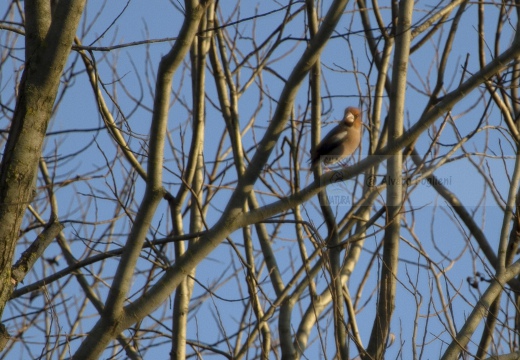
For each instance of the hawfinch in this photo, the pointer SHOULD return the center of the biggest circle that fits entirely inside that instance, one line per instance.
(341, 141)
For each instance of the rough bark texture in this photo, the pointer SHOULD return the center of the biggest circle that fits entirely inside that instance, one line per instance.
(48, 45)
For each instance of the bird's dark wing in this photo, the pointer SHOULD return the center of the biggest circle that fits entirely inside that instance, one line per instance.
(332, 140)
(329, 143)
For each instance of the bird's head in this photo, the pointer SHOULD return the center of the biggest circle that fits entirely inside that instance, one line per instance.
(351, 114)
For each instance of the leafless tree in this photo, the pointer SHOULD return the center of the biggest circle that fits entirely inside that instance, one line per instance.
(155, 194)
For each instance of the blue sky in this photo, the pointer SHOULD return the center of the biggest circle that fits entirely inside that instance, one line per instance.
(347, 72)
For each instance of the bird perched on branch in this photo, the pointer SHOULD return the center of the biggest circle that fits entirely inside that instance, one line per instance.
(341, 141)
